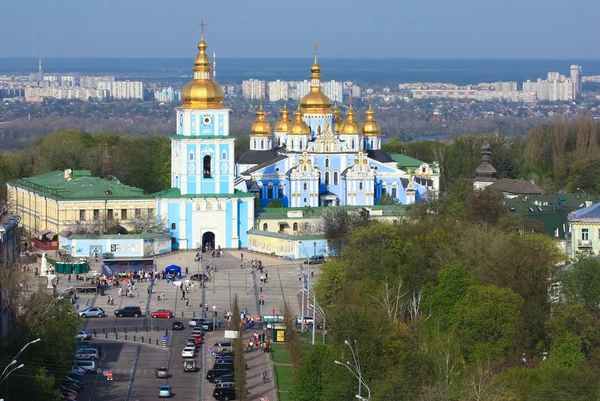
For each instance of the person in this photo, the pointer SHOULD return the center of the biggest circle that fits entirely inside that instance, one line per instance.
(182, 294)
(69, 278)
(242, 256)
(187, 302)
(186, 271)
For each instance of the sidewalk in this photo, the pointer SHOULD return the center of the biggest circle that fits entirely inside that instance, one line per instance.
(257, 361)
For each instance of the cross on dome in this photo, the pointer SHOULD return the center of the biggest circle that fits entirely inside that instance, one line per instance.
(316, 46)
(202, 24)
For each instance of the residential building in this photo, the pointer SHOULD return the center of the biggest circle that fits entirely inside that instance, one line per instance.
(123, 89)
(577, 78)
(505, 86)
(278, 90)
(334, 90)
(299, 89)
(9, 253)
(254, 89)
(52, 202)
(585, 229)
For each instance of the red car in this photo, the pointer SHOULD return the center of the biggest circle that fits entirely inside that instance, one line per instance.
(197, 338)
(162, 313)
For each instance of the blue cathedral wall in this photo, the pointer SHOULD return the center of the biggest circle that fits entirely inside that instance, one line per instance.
(173, 218)
(229, 220)
(243, 223)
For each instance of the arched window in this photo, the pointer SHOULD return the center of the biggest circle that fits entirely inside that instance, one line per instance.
(224, 155)
(191, 155)
(262, 144)
(327, 162)
(327, 178)
(335, 178)
(280, 195)
(383, 189)
(300, 144)
(265, 227)
(353, 144)
(255, 144)
(207, 167)
(270, 191)
(305, 186)
(360, 185)
(394, 191)
(295, 227)
(371, 144)
(278, 141)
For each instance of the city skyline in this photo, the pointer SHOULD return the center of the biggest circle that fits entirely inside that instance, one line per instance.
(345, 29)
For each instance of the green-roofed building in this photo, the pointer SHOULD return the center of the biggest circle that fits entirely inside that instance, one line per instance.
(52, 202)
(427, 174)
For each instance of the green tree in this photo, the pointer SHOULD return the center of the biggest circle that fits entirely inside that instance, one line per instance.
(309, 384)
(488, 322)
(275, 203)
(581, 281)
(484, 207)
(386, 199)
(394, 145)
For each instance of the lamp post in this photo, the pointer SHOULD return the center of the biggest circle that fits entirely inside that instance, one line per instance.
(305, 276)
(14, 360)
(355, 370)
(214, 308)
(10, 371)
(321, 312)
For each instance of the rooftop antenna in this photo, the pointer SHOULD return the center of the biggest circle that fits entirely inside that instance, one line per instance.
(40, 71)
(214, 66)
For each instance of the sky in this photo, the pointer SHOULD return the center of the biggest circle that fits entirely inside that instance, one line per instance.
(284, 28)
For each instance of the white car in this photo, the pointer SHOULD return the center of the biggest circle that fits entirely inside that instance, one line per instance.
(92, 312)
(78, 369)
(86, 354)
(84, 335)
(164, 391)
(188, 352)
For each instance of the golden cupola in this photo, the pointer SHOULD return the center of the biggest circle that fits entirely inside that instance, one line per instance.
(284, 123)
(202, 92)
(299, 127)
(337, 121)
(315, 101)
(350, 126)
(261, 126)
(370, 126)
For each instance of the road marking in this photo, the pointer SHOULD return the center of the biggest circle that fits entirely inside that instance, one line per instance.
(137, 358)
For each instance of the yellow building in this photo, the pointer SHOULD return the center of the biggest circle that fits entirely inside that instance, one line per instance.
(59, 200)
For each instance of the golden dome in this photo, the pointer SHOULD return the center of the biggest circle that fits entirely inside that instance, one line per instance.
(284, 123)
(338, 121)
(202, 92)
(371, 127)
(350, 127)
(315, 101)
(261, 126)
(299, 127)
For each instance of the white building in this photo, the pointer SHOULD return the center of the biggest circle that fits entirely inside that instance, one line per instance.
(92, 82)
(254, 89)
(577, 78)
(123, 89)
(333, 90)
(505, 86)
(278, 90)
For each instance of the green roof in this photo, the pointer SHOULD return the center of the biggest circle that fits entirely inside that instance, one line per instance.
(285, 236)
(405, 162)
(279, 213)
(120, 236)
(175, 193)
(80, 186)
(201, 137)
(555, 208)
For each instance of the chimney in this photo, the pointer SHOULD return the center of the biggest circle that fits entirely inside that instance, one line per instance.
(68, 174)
(588, 203)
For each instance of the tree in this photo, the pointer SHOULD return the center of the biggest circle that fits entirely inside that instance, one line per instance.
(275, 203)
(581, 281)
(386, 199)
(292, 340)
(337, 223)
(484, 207)
(394, 145)
(310, 382)
(239, 360)
(488, 322)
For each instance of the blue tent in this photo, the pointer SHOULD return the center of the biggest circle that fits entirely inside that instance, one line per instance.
(174, 270)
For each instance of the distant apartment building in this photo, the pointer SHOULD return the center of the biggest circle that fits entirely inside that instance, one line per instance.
(123, 89)
(333, 90)
(299, 89)
(278, 90)
(167, 95)
(561, 89)
(254, 89)
(92, 82)
(577, 78)
(505, 86)
(35, 94)
(351, 89)
(67, 80)
(480, 95)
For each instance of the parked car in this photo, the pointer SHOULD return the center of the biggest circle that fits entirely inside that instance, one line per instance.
(93, 311)
(162, 372)
(188, 352)
(228, 365)
(206, 325)
(177, 326)
(86, 344)
(212, 374)
(224, 354)
(163, 314)
(129, 311)
(87, 354)
(164, 391)
(315, 260)
(225, 360)
(191, 343)
(198, 277)
(88, 349)
(88, 365)
(77, 369)
(84, 335)
(189, 365)
(222, 346)
(194, 322)
(224, 393)
(225, 378)
(198, 330)
(196, 338)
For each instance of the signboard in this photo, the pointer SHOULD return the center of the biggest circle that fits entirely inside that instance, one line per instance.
(281, 336)
(272, 319)
(164, 338)
(213, 353)
(231, 334)
(262, 298)
(211, 348)
(134, 247)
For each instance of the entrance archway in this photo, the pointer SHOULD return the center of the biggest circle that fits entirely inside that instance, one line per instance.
(208, 238)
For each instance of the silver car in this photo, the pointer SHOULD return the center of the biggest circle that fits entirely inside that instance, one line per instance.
(92, 312)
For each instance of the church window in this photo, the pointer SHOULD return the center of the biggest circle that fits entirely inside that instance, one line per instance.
(270, 191)
(319, 129)
(224, 155)
(207, 167)
(394, 192)
(191, 155)
(262, 144)
(305, 186)
(383, 189)
(255, 144)
(304, 200)
(265, 227)
(280, 194)
(295, 227)
(371, 144)
(335, 178)
(360, 186)
(327, 178)
(353, 144)
(278, 142)
(326, 162)
(300, 145)
(173, 226)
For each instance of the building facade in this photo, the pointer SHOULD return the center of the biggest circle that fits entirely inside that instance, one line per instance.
(585, 229)
(202, 206)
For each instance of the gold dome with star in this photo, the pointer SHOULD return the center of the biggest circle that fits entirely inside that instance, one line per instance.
(202, 92)
(371, 126)
(284, 123)
(315, 101)
(337, 120)
(261, 126)
(299, 126)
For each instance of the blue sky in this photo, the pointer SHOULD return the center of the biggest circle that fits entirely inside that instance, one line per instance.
(283, 28)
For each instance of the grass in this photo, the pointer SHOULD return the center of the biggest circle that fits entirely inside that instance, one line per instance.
(307, 336)
(283, 396)
(283, 377)
(279, 354)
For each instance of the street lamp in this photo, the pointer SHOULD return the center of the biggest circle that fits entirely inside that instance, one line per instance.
(14, 360)
(355, 370)
(214, 308)
(10, 371)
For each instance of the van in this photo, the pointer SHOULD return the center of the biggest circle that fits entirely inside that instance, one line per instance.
(89, 366)
(315, 260)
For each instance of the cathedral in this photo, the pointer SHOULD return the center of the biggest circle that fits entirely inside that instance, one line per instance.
(319, 159)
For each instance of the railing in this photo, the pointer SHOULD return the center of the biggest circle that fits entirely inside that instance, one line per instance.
(584, 243)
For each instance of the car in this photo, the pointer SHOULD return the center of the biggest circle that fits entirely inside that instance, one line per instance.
(81, 349)
(76, 376)
(197, 339)
(129, 311)
(224, 354)
(164, 391)
(228, 359)
(78, 369)
(177, 326)
(198, 330)
(315, 260)
(225, 378)
(86, 354)
(85, 344)
(194, 322)
(84, 335)
(162, 313)
(221, 345)
(93, 311)
(88, 365)
(224, 393)
(191, 343)
(162, 372)
(213, 373)
(228, 365)
(189, 365)
(205, 325)
(188, 352)
(308, 321)
(198, 277)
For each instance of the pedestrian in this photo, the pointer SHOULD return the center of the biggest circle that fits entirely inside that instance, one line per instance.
(186, 271)
(187, 302)
(206, 307)
(182, 294)
(219, 324)
(242, 256)
(69, 278)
